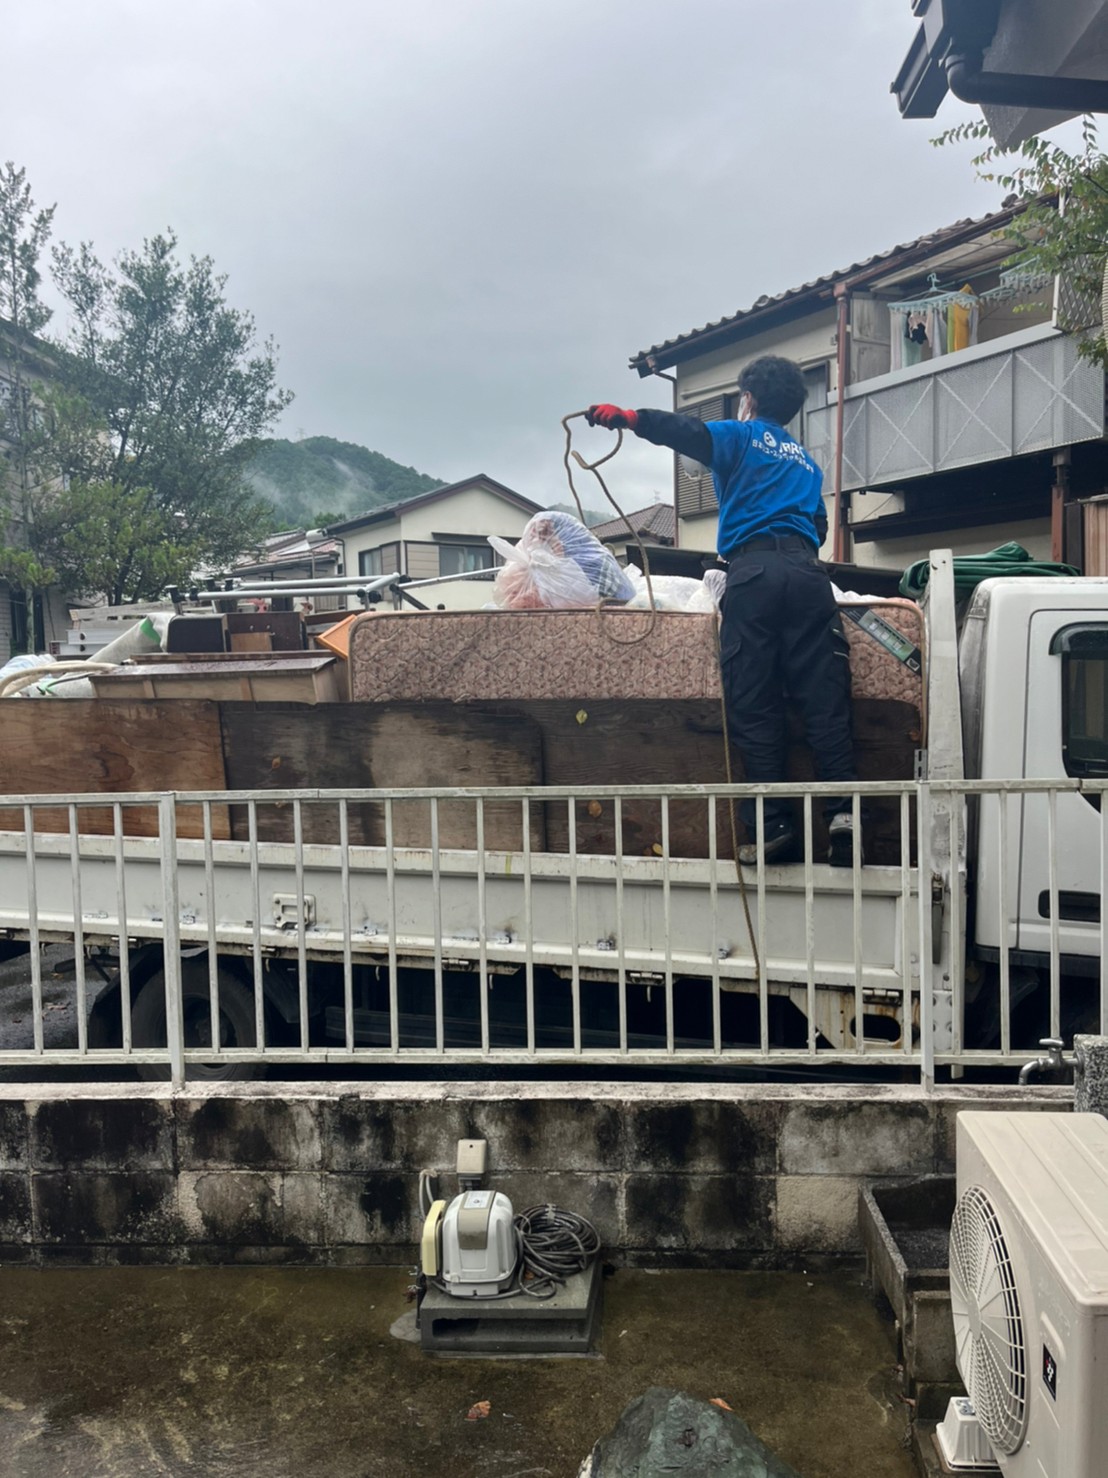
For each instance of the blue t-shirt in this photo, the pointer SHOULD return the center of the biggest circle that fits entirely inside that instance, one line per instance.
(766, 483)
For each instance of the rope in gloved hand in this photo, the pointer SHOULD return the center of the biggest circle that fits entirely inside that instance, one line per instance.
(594, 468)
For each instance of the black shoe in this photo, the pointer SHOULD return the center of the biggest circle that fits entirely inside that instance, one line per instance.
(780, 847)
(843, 841)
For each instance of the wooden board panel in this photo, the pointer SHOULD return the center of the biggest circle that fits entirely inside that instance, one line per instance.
(251, 641)
(631, 743)
(370, 746)
(284, 629)
(78, 744)
(646, 742)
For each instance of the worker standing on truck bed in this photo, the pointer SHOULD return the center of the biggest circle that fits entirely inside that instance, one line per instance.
(781, 633)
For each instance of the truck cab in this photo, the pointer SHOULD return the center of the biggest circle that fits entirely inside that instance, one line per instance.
(1034, 691)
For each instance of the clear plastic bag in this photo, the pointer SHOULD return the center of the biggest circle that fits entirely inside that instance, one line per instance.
(674, 592)
(557, 565)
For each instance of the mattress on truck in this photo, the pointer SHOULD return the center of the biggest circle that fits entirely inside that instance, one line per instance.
(491, 656)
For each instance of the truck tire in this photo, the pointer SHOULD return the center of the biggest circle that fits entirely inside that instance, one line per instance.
(236, 1012)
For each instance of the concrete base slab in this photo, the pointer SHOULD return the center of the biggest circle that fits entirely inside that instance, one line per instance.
(929, 1459)
(563, 1325)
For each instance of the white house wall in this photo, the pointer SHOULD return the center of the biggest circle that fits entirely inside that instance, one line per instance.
(700, 533)
(473, 512)
(898, 554)
(371, 537)
(809, 341)
(459, 595)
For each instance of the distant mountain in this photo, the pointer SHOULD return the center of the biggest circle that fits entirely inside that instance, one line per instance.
(320, 479)
(592, 517)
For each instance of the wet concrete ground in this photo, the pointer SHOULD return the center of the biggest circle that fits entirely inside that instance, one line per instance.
(128, 1372)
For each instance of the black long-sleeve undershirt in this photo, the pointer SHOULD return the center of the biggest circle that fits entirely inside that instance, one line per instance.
(689, 436)
(685, 434)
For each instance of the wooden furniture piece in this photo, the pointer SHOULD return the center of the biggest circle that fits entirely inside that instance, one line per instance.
(254, 677)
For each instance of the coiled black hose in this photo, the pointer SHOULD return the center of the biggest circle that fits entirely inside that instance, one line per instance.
(554, 1244)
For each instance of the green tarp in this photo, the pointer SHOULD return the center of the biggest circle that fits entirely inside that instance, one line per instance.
(971, 569)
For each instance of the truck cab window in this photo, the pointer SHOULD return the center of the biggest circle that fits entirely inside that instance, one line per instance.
(1084, 654)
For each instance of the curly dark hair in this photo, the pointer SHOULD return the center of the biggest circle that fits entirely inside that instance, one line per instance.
(777, 386)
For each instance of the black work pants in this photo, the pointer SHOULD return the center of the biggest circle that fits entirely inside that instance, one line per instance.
(782, 638)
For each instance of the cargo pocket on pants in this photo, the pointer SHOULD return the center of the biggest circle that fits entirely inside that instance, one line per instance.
(840, 651)
(730, 637)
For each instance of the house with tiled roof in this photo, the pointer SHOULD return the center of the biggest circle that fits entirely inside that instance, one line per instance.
(947, 402)
(655, 524)
(435, 534)
(653, 529)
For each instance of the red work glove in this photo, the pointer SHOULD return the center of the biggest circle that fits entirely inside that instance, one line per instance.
(612, 416)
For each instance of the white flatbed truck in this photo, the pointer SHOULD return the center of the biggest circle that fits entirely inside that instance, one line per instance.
(217, 955)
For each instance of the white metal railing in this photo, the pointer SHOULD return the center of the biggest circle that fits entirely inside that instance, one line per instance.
(546, 925)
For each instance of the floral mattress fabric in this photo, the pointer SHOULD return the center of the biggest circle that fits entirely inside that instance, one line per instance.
(610, 653)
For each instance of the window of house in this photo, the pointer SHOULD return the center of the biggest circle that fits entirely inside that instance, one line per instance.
(464, 559)
(1084, 651)
(384, 560)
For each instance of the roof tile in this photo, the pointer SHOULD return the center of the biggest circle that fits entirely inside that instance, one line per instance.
(934, 240)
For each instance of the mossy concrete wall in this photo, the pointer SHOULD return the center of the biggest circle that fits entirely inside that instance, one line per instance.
(719, 1175)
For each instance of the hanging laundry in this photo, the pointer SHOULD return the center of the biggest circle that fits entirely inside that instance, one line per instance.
(911, 342)
(896, 339)
(962, 324)
(936, 330)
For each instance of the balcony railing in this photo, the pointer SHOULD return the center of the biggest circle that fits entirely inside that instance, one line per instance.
(1028, 392)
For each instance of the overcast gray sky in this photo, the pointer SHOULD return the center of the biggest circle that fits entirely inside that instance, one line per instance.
(459, 218)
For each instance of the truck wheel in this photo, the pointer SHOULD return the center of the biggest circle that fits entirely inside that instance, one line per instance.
(236, 1021)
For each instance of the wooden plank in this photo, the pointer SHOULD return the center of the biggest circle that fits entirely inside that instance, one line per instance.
(681, 742)
(456, 745)
(79, 744)
(284, 629)
(630, 743)
(369, 746)
(293, 749)
(251, 641)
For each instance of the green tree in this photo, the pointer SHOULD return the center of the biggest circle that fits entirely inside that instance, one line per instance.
(105, 539)
(24, 232)
(1063, 229)
(167, 393)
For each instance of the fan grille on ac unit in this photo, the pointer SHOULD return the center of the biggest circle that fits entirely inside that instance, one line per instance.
(988, 1327)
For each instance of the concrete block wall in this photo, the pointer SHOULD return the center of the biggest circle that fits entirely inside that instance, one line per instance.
(718, 1175)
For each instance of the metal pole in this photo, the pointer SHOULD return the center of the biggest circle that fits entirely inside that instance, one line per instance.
(171, 939)
(924, 823)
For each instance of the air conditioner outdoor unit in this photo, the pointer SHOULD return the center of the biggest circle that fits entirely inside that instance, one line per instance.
(1029, 1288)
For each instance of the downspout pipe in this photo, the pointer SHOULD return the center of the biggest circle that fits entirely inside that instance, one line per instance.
(842, 301)
(967, 81)
(661, 375)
